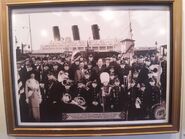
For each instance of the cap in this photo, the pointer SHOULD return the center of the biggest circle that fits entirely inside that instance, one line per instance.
(134, 57)
(147, 59)
(55, 64)
(151, 79)
(116, 80)
(90, 55)
(66, 64)
(50, 72)
(94, 81)
(152, 55)
(114, 56)
(112, 74)
(140, 56)
(107, 58)
(122, 62)
(46, 65)
(89, 63)
(80, 82)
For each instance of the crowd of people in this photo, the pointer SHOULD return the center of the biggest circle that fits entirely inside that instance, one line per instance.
(55, 84)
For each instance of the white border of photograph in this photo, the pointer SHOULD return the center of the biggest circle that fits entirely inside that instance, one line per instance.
(97, 122)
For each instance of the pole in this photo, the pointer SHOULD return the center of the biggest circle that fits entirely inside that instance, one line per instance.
(30, 33)
(130, 25)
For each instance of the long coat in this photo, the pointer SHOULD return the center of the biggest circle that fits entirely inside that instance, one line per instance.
(33, 95)
(32, 90)
(54, 93)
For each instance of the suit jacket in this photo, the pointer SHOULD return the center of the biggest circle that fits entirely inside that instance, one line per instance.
(96, 72)
(79, 75)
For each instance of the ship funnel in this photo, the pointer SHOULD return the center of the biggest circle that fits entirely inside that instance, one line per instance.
(75, 30)
(95, 32)
(56, 33)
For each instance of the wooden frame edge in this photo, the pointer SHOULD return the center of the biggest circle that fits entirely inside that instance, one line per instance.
(177, 43)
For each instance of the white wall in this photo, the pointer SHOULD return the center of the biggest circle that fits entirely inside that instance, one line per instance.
(3, 134)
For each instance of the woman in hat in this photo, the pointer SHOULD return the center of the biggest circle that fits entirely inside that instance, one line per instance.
(33, 97)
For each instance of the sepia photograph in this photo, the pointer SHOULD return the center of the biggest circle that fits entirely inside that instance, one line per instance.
(91, 65)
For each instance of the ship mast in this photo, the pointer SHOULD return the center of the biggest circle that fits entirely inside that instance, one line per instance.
(30, 33)
(130, 26)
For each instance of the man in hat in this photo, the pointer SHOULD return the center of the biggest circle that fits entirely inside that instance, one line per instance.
(91, 60)
(163, 77)
(79, 74)
(117, 97)
(73, 68)
(98, 69)
(113, 61)
(55, 69)
(107, 65)
(80, 97)
(69, 86)
(68, 96)
(154, 96)
(140, 61)
(154, 59)
(25, 71)
(112, 79)
(66, 68)
(143, 74)
(131, 100)
(114, 64)
(86, 79)
(64, 74)
(45, 60)
(95, 98)
(68, 58)
(142, 102)
(112, 70)
(123, 71)
(134, 66)
(54, 93)
(43, 74)
(61, 62)
(85, 63)
(89, 69)
(81, 59)
(24, 108)
(37, 69)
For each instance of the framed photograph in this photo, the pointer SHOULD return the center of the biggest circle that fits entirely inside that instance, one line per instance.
(88, 68)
